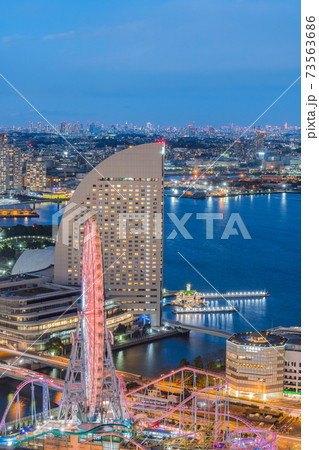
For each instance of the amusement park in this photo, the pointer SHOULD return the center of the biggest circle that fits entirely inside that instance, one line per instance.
(187, 408)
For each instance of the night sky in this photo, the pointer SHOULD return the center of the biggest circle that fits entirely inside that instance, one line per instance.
(168, 62)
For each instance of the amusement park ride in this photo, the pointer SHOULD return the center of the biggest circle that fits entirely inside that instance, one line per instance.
(185, 409)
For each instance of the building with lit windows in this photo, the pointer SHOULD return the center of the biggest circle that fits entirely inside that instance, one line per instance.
(35, 180)
(255, 364)
(125, 193)
(10, 166)
(292, 367)
(259, 140)
(33, 310)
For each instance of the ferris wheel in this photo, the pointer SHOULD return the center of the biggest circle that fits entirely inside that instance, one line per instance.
(92, 316)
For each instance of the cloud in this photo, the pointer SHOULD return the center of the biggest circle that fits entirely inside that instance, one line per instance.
(14, 37)
(63, 35)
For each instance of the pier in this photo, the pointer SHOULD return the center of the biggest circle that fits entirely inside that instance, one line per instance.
(217, 309)
(236, 295)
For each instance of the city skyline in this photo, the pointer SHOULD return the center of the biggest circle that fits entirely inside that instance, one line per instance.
(169, 62)
(63, 126)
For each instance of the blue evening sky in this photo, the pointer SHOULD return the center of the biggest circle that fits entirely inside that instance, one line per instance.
(169, 62)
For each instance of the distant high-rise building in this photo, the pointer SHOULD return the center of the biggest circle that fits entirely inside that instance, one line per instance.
(286, 126)
(210, 130)
(69, 128)
(31, 127)
(10, 166)
(39, 128)
(63, 127)
(149, 126)
(76, 128)
(35, 175)
(190, 131)
(259, 140)
(125, 193)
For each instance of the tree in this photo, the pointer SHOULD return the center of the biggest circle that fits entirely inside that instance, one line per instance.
(183, 363)
(146, 328)
(136, 334)
(55, 346)
(120, 329)
(198, 362)
(131, 385)
(7, 252)
(211, 366)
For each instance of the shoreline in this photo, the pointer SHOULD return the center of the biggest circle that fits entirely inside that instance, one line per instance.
(204, 197)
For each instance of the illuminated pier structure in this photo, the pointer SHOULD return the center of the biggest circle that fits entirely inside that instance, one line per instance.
(216, 309)
(236, 295)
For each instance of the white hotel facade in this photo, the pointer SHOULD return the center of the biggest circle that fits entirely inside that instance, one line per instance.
(125, 193)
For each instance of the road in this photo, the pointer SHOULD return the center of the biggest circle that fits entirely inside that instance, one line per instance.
(288, 443)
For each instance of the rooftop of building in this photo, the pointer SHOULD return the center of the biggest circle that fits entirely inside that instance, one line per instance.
(292, 334)
(25, 286)
(258, 339)
(17, 277)
(33, 260)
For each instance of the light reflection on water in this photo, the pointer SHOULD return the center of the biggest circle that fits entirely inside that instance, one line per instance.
(24, 400)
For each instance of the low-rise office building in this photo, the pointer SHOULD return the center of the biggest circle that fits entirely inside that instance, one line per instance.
(292, 365)
(255, 364)
(33, 310)
(265, 364)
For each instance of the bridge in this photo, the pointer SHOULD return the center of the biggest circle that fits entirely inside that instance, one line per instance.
(185, 326)
(52, 361)
(23, 374)
(18, 238)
